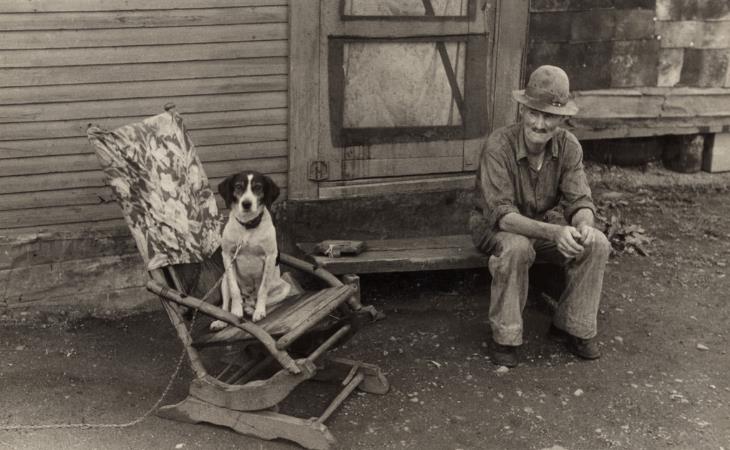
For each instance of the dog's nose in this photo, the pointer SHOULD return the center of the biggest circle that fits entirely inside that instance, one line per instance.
(246, 205)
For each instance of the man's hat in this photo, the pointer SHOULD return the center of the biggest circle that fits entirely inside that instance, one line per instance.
(548, 90)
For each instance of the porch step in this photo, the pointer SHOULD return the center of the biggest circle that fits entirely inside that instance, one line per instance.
(404, 255)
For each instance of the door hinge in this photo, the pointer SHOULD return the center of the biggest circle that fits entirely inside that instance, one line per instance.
(318, 170)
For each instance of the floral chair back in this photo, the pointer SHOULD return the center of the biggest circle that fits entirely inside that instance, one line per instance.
(159, 182)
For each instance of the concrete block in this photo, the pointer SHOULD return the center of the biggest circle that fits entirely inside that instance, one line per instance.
(717, 154)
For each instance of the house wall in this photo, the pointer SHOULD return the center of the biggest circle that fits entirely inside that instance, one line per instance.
(638, 67)
(65, 64)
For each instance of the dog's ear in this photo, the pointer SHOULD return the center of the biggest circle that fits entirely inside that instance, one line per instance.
(225, 189)
(271, 191)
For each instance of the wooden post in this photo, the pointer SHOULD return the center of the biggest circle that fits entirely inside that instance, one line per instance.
(354, 281)
(304, 86)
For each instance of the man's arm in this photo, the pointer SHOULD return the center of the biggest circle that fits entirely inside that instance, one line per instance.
(583, 220)
(564, 236)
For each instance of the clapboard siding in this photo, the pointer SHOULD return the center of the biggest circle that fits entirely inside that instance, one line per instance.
(89, 161)
(162, 88)
(141, 19)
(23, 40)
(141, 54)
(65, 64)
(55, 181)
(181, 70)
(96, 5)
(48, 112)
(73, 145)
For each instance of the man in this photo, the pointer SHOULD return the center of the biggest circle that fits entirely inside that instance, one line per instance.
(526, 170)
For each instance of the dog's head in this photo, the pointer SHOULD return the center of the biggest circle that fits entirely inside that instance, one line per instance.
(247, 193)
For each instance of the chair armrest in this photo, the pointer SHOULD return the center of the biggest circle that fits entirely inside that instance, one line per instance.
(217, 313)
(310, 268)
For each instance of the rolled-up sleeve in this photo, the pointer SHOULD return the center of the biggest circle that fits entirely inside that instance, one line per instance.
(576, 194)
(497, 185)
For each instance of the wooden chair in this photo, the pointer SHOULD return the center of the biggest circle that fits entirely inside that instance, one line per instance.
(243, 373)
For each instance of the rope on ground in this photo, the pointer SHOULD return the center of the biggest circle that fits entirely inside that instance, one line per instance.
(152, 409)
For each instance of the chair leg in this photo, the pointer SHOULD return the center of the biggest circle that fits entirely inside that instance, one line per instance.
(267, 425)
(373, 382)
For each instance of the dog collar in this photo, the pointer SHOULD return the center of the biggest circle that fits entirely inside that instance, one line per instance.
(253, 223)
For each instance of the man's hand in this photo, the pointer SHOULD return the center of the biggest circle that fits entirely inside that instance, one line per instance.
(587, 233)
(567, 239)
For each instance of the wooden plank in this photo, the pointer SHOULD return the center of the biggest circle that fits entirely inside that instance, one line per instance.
(399, 185)
(66, 180)
(67, 197)
(699, 35)
(634, 63)
(88, 226)
(71, 128)
(89, 161)
(670, 66)
(147, 106)
(550, 27)
(239, 135)
(405, 256)
(141, 54)
(203, 137)
(66, 278)
(262, 424)
(434, 149)
(141, 19)
(634, 24)
(49, 248)
(646, 128)
(507, 59)
(59, 215)
(366, 168)
(692, 9)
(635, 106)
(583, 5)
(304, 96)
(592, 25)
(125, 299)
(164, 88)
(456, 242)
(705, 68)
(36, 76)
(33, 6)
(121, 37)
(388, 29)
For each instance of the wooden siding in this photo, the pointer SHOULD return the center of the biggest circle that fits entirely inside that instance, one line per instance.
(638, 67)
(67, 63)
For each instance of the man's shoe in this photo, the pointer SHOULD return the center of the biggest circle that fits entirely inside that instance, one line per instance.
(583, 348)
(504, 355)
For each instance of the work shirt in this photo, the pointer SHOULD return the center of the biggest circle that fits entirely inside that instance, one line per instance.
(506, 183)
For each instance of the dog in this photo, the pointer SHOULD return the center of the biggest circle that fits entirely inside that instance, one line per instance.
(252, 278)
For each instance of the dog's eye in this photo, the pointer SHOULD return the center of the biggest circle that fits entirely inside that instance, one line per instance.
(238, 189)
(257, 188)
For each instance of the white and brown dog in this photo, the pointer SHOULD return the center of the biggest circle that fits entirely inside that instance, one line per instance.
(252, 278)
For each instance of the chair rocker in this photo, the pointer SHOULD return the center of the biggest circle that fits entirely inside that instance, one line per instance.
(242, 373)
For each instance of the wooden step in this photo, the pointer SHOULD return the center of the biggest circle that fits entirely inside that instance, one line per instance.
(405, 255)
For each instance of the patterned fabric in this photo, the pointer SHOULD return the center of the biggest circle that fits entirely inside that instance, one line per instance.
(159, 182)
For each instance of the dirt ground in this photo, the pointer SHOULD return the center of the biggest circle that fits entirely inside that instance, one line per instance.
(663, 380)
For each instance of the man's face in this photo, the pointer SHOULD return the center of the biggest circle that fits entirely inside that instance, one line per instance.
(539, 126)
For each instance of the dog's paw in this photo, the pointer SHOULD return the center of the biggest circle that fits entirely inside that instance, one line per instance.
(259, 314)
(237, 310)
(218, 325)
